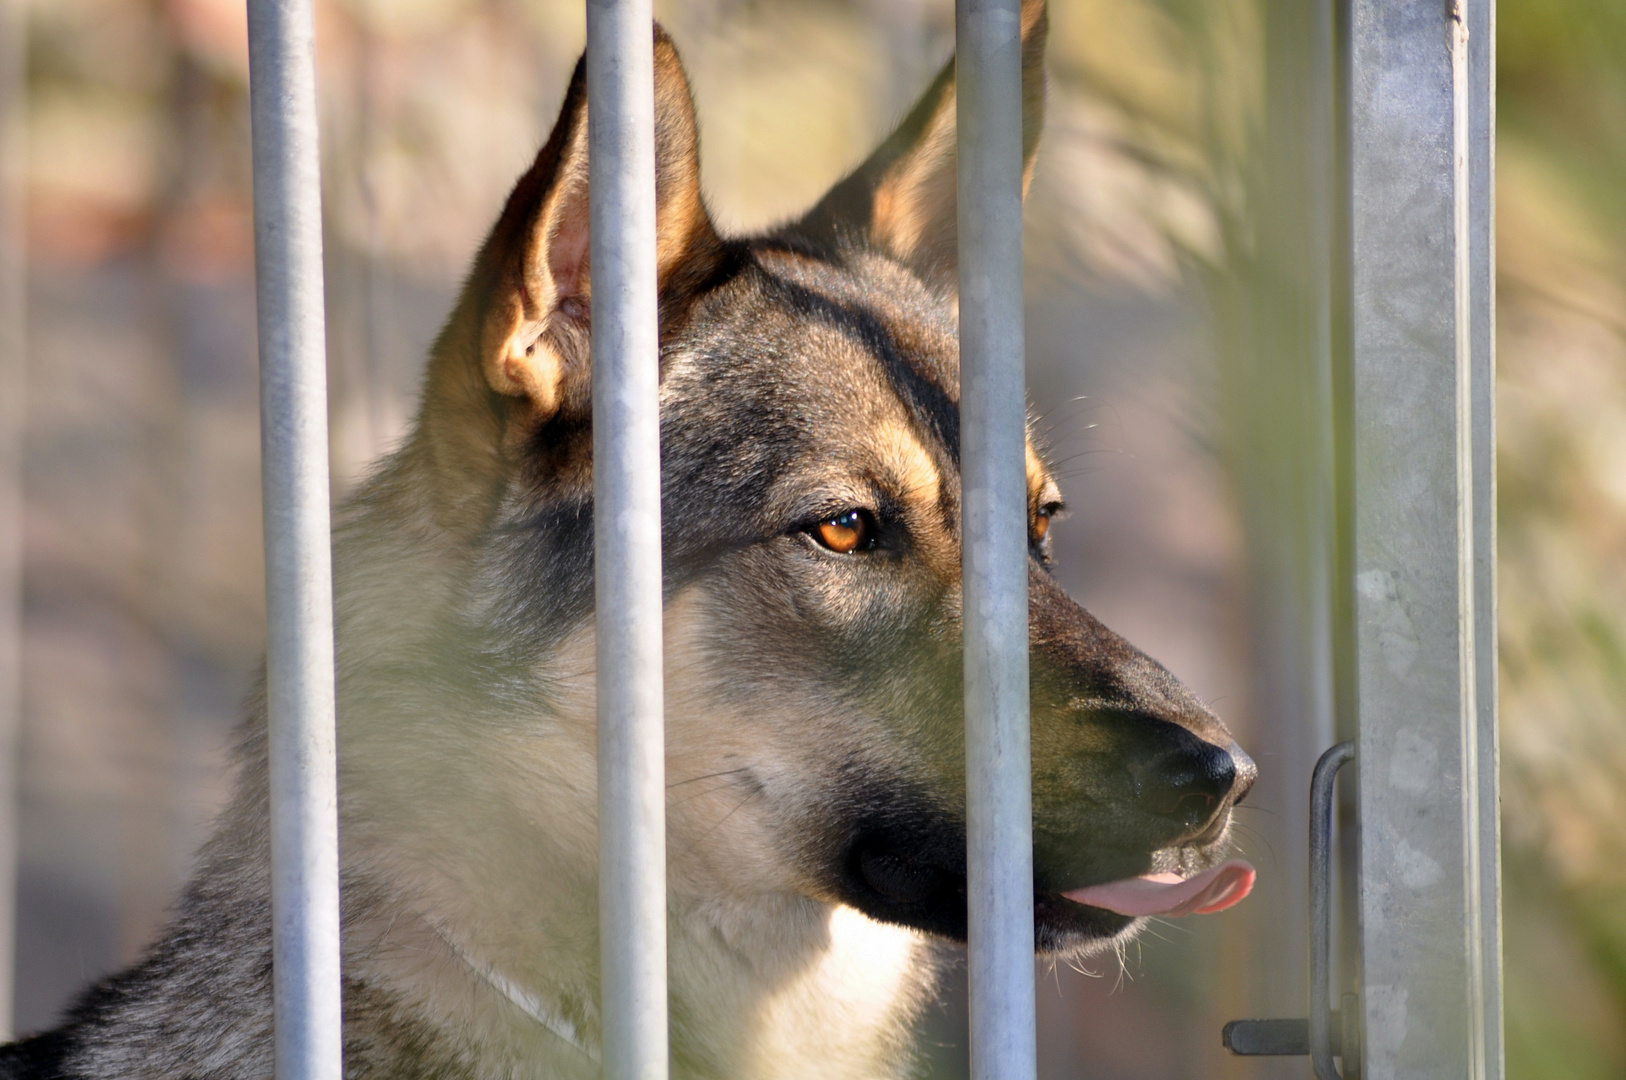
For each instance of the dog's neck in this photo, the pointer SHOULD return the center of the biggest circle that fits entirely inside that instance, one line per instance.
(777, 988)
(548, 1017)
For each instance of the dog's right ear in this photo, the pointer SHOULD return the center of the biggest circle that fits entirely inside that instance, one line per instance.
(534, 336)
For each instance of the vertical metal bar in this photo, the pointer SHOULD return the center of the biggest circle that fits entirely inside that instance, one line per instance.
(999, 815)
(627, 545)
(1345, 670)
(298, 548)
(13, 412)
(1481, 22)
(1427, 1002)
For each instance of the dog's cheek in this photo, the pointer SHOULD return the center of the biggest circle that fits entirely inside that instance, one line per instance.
(778, 728)
(738, 750)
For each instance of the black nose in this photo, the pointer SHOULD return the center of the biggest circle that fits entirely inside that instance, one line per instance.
(1188, 785)
(1246, 773)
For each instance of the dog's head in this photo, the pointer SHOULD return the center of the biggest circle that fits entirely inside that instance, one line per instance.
(811, 510)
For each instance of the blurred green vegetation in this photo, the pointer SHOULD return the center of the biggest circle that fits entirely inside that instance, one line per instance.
(1562, 471)
(1561, 81)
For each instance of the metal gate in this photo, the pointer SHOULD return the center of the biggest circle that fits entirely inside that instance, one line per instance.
(1408, 85)
(1405, 958)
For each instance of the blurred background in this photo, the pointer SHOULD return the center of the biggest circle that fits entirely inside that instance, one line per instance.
(1167, 366)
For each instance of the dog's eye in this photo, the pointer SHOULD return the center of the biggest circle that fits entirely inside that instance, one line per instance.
(847, 533)
(1041, 527)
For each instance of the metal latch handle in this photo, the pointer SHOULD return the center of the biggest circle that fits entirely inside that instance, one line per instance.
(1322, 788)
(1327, 1033)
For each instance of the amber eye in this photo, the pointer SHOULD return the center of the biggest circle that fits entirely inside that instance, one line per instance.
(846, 533)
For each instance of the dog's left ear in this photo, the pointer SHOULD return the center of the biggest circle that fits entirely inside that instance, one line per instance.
(534, 338)
(902, 200)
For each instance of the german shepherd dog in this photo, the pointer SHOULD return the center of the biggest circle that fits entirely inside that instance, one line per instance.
(815, 752)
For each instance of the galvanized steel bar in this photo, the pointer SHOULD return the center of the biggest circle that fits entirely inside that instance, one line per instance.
(13, 383)
(298, 548)
(1481, 89)
(1419, 109)
(627, 545)
(999, 816)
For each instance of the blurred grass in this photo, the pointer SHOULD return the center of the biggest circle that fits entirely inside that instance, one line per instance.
(1562, 516)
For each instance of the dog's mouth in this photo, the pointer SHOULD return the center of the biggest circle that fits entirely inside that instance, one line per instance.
(900, 887)
(1171, 895)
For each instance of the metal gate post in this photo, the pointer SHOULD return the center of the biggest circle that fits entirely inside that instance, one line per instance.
(999, 815)
(1481, 305)
(627, 545)
(298, 542)
(1420, 153)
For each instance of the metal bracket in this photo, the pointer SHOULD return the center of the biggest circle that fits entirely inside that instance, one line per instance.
(1327, 1033)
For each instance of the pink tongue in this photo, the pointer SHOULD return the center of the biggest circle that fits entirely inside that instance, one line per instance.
(1170, 894)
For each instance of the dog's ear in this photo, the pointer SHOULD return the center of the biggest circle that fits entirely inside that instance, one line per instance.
(902, 200)
(534, 336)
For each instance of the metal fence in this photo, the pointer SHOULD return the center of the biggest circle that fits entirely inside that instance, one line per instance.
(1410, 352)
(627, 495)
